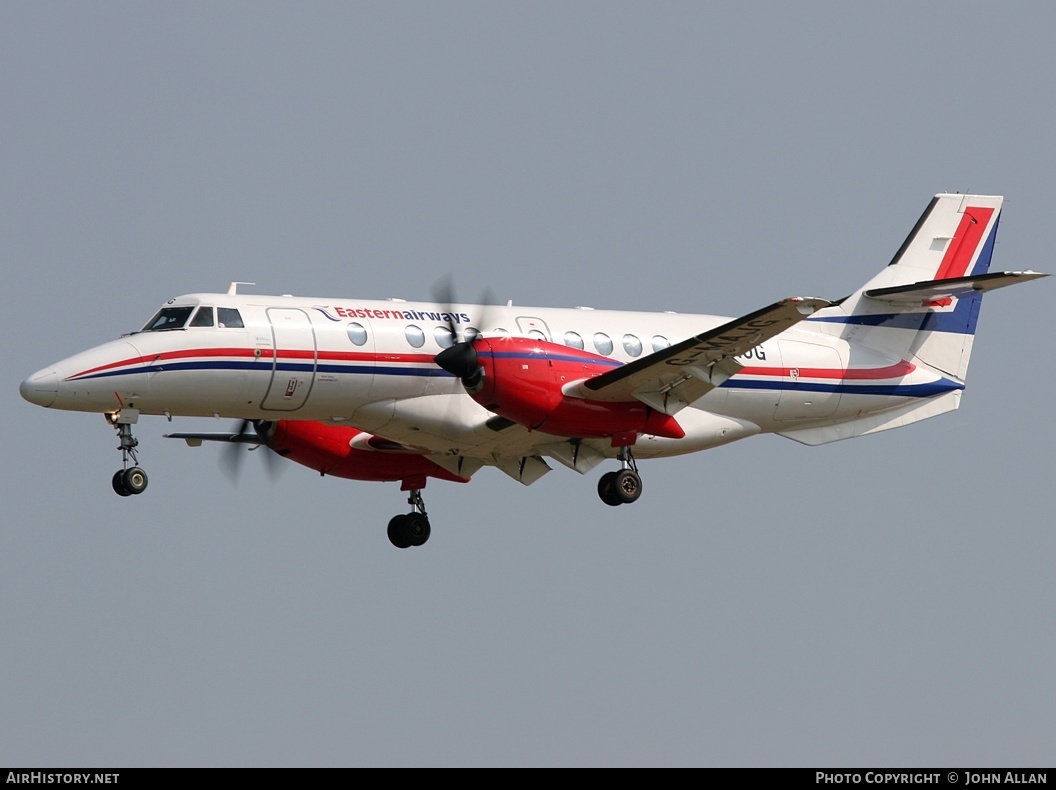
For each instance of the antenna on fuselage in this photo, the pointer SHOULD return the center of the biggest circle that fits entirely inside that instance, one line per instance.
(232, 289)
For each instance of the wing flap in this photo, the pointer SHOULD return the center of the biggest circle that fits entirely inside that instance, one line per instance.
(576, 454)
(458, 464)
(526, 469)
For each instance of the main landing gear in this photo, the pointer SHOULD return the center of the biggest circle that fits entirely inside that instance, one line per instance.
(410, 529)
(127, 480)
(624, 486)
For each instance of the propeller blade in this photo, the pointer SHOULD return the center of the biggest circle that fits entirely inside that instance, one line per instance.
(231, 458)
(272, 464)
(460, 359)
(272, 461)
(444, 295)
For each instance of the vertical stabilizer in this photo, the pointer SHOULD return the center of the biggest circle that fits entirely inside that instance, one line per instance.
(924, 305)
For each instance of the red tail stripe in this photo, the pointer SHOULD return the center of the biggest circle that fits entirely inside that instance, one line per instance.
(965, 242)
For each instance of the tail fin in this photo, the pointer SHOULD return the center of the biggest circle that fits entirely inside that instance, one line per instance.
(923, 307)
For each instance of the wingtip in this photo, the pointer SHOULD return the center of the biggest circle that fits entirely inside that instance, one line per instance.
(808, 305)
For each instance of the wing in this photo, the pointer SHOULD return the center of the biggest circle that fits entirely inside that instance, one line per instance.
(674, 377)
(196, 439)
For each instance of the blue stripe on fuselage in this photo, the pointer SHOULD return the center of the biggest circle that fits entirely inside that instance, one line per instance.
(895, 390)
(284, 366)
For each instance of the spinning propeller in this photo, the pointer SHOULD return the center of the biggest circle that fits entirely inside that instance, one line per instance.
(460, 359)
(256, 434)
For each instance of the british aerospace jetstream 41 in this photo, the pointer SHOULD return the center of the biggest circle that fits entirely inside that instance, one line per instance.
(404, 391)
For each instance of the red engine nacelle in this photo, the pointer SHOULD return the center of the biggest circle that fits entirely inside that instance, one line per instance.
(328, 450)
(522, 381)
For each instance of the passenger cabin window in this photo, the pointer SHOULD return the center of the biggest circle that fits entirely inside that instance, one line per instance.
(229, 317)
(535, 334)
(632, 345)
(169, 318)
(603, 343)
(470, 333)
(443, 337)
(204, 317)
(659, 342)
(415, 336)
(573, 340)
(357, 333)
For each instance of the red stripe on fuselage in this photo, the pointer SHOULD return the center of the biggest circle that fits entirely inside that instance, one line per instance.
(201, 352)
(902, 368)
(965, 242)
(265, 353)
(891, 371)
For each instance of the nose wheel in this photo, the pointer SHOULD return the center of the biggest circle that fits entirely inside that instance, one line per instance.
(128, 480)
(410, 529)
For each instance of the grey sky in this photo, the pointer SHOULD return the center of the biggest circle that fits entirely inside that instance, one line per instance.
(886, 601)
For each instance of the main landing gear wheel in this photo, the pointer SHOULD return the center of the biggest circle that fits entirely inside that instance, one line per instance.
(607, 489)
(410, 529)
(624, 486)
(619, 488)
(627, 485)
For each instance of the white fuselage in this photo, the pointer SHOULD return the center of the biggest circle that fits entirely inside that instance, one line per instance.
(370, 364)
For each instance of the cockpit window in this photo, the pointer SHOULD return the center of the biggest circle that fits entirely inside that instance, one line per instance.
(229, 317)
(204, 317)
(169, 318)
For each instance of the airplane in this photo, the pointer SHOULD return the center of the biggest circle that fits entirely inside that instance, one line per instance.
(404, 391)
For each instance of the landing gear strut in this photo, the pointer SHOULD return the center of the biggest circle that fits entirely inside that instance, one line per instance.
(624, 486)
(127, 480)
(410, 529)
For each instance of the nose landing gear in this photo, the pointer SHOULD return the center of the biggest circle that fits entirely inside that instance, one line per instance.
(128, 480)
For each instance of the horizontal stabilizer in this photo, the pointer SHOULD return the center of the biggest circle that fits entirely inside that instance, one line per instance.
(934, 290)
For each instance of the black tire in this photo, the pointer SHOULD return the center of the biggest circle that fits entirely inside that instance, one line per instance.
(118, 483)
(416, 528)
(627, 485)
(398, 536)
(607, 489)
(135, 480)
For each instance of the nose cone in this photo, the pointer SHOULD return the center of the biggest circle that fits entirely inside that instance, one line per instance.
(41, 388)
